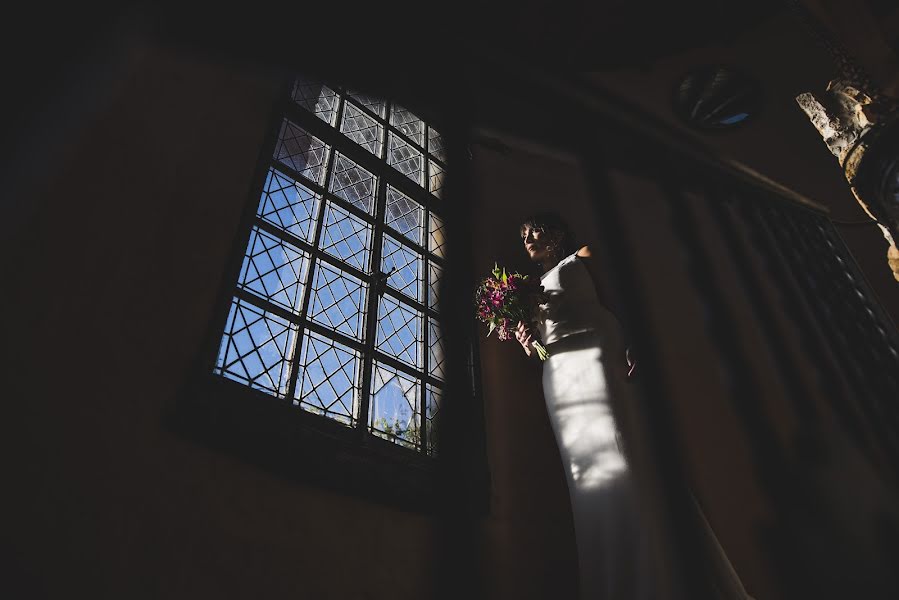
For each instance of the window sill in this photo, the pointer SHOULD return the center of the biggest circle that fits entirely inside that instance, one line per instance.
(283, 439)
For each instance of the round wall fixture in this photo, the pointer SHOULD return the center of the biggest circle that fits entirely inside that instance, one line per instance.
(717, 97)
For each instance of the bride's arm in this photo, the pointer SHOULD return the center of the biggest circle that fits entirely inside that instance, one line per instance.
(590, 261)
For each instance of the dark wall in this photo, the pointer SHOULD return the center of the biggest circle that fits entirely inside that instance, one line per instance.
(110, 284)
(779, 143)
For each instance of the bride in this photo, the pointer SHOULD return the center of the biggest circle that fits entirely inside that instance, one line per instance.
(588, 363)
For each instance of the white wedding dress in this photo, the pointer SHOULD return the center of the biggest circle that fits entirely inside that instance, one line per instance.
(587, 366)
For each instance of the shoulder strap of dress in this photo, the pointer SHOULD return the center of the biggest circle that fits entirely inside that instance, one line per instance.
(570, 258)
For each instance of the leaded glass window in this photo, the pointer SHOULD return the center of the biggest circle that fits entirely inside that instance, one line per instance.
(336, 308)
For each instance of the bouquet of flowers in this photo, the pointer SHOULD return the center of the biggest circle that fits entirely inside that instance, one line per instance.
(505, 299)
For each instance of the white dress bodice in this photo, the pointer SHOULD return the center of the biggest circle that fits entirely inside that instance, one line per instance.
(573, 307)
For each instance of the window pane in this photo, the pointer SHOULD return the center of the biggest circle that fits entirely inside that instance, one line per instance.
(435, 145)
(288, 205)
(338, 300)
(435, 349)
(256, 348)
(362, 129)
(302, 152)
(399, 331)
(317, 98)
(394, 406)
(404, 266)
(435, 235)
(404, 214)
(354, 184)
(274, 270)
(375, 105)
(407, 123)
(433, 401)
(405, 159)
(435, 178)
(435, 272)
(328, 384)
(346, 237)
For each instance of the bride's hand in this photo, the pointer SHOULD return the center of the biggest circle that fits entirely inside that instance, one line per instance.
(524, 337)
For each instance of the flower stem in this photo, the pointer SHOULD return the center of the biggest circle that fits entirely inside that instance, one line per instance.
(541, 350)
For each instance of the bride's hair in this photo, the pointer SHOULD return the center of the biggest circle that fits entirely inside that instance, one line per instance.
(551, 222)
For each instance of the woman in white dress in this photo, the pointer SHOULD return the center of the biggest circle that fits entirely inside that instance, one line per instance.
(588, 364)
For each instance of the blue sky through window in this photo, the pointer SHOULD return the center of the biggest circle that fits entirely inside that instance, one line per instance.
(320, 241)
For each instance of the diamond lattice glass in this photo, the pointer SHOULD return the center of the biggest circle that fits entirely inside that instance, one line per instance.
(256, 348)
(289, 205)
(328, 385)
(404, 266)
(436, 175)
(354, 184)
(274, 270)
(399, 331)
(404, 214)
(407, 123)
(286, 317)
(435, 235)
(436, 147)
(435, 272)
(405, 158)
(301, 151)
(346, 236)
(433, 400)
(362, 129)
(337, 300)
(372, 103)
(317, 98)
(435, 350)
(395, 413)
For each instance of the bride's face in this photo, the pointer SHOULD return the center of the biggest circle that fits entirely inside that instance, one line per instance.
(538, 243)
